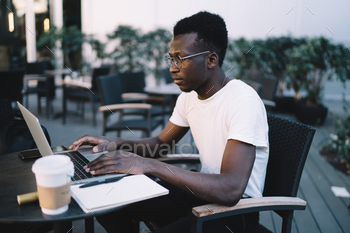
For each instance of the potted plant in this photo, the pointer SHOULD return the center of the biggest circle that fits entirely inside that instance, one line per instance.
(273, 59)
(71, 44)
(241, 55)
(267, 57)
(309, 66)
(128, 49)
(156, 45)
(337, 149)
(98, 47)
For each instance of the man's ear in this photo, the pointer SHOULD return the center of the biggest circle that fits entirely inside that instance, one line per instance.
(213, 60)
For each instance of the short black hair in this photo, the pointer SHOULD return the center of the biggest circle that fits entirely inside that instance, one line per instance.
(211, 32)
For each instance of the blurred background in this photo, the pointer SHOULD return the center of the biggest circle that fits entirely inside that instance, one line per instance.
(23, 22)
(59, 54)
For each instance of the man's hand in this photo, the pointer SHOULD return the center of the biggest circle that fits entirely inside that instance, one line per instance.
(100, 143)
(117, 162)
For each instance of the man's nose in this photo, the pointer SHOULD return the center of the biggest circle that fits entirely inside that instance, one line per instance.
(173, 68)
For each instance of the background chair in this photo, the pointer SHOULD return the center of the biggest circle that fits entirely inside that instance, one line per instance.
(255, 85)
(45, 87)
(289, 146)
(81, 94)
(14, 132)
(268, 87)
(133, 84)
(112, 101)
(15, 136)
(12, 85)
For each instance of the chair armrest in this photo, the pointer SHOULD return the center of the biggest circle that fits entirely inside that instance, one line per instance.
(123, 106)
(37, 77)
(77, 83)
(141, 97)
(134, 95)
(249, 205)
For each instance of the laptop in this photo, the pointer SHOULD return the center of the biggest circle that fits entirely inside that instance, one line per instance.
(79, 158)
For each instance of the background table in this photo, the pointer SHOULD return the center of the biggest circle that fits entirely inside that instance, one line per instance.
(171, 90)
(16, 177)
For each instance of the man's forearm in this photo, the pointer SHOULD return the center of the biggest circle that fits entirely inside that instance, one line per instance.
(219, 188)
(146, 147)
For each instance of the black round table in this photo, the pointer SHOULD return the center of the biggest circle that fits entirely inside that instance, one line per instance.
(16, 177)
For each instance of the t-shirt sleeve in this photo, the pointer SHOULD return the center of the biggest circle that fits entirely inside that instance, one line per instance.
(247, 122)
(179, 113)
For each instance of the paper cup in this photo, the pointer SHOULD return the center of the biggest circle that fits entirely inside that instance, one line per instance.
(52, 174)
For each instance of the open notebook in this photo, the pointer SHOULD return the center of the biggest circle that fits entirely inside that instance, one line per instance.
(128, 190)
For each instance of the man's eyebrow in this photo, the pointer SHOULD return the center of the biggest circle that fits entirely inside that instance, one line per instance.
(178, 53)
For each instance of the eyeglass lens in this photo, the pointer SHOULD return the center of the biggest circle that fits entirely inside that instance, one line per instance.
(176, 59)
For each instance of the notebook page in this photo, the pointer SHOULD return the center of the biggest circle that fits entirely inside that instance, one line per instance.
(128, 190)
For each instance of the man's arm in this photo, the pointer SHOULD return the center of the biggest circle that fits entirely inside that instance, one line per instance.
(146, 147)
(156, 146)
(224, 188)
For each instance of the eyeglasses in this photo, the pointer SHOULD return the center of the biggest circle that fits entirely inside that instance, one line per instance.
(178, 60)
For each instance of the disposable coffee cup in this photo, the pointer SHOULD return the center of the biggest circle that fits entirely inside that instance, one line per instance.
(53, 177)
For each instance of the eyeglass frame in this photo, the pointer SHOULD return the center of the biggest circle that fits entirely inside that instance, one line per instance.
(168, 57)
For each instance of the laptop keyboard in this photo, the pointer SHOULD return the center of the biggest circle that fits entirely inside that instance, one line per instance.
(79, 162)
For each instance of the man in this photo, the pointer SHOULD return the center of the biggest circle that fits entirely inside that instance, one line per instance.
(229, 125)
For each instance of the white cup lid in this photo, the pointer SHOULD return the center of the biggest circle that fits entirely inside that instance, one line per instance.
(52, 165)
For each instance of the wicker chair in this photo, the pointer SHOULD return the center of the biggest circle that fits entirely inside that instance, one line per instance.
(289, 146)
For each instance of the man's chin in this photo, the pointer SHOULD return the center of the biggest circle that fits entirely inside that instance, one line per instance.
(184, 89)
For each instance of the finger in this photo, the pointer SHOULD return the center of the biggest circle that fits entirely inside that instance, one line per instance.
(108, 146)
(85, 140)
(118, 168)
(104, 157)
(105, 166)
(88, 166)
(80, 141)
(106, 169)
(99, 147)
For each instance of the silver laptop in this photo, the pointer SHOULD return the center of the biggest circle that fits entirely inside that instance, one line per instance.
(79, 158)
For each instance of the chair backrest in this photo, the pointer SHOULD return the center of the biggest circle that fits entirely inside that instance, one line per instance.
(11, 84)
(6, 112)
(110, 89)
(38, 67)
(132, 82)
(96, 72)
(255, 85)
(14, 133)
(269, 84)
(289, 146)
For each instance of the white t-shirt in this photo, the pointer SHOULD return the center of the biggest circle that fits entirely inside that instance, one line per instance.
(234, 112)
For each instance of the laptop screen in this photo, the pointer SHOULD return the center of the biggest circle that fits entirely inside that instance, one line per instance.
(36, 131)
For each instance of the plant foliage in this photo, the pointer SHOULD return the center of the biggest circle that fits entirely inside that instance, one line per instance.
(313, 63)
(135, 50)
(341, 138)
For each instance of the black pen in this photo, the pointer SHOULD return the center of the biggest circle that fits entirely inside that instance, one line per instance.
(103, 181)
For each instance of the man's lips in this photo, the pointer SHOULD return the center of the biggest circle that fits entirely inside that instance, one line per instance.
(178, 81)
